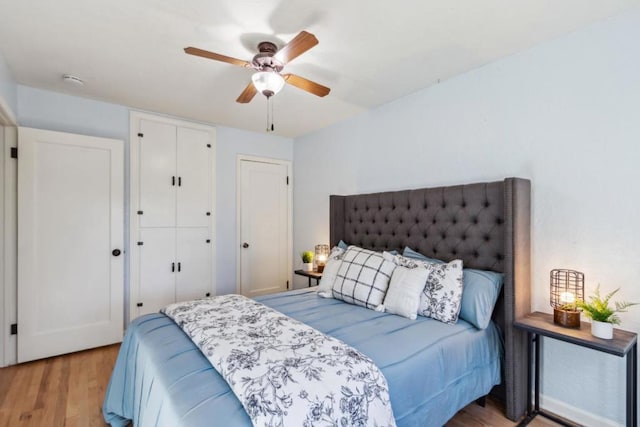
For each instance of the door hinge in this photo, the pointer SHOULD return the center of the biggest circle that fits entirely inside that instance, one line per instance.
(287, 284)
(208, 213)
(14, 329)
(208, 240)
(287, 180)
(208, 145)
(141, 135)
(140, 212)
(14, 152)
(139, 304)
(140, 243)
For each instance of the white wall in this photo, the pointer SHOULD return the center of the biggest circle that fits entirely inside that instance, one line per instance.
(54, 111)
(8, 91)
(564, 114)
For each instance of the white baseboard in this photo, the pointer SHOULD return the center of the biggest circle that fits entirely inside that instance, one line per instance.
(575, 414)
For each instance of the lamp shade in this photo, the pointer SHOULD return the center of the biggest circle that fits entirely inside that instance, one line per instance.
(566, 289)
(322, 255)
(267, 83)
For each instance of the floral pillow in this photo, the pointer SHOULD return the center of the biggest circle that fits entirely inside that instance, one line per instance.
(363, 277)
(442, 295)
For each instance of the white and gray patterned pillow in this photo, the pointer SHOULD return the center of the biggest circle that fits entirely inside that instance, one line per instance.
(363, 277)
(442, 295)
(405, 288)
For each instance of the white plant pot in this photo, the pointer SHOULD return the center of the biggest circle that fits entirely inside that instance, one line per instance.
(307, 266)
(602, 330)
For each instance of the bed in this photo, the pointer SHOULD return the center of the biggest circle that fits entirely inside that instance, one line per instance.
(433, 369)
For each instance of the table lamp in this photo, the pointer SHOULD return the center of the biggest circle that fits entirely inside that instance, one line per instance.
(567, 288)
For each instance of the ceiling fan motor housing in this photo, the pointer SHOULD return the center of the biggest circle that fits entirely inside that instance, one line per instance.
(264, 61)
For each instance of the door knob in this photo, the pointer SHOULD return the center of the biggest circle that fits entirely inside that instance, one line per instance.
(245, 245)
(116, 252)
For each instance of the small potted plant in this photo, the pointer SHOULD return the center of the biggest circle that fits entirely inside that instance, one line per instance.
(307, 261)
(602, 315)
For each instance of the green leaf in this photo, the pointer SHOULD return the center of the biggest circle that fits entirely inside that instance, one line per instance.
(598, 307)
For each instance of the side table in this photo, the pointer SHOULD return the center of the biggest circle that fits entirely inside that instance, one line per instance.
(311, 275)
(624, 343)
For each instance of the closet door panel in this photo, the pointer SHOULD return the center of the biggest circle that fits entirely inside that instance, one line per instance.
(194, 255)
(194, 172)
(158, 180)
(157, 270)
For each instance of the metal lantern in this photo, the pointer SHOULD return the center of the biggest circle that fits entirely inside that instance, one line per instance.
(567, 288)
(322, 255)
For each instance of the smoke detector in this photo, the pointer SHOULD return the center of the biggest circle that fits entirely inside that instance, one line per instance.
(74, 80)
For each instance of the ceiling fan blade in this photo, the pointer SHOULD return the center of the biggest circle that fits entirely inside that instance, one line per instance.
(216, 56)
(308, 85)
(247, 94)
(296, 47)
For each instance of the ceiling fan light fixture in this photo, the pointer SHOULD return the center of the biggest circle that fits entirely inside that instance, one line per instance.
(268, 83)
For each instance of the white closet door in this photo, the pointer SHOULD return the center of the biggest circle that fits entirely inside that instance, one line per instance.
(194, 175)
(264, 214)
(194, 257)
(157, 270)
(70, 222)
(158, 178)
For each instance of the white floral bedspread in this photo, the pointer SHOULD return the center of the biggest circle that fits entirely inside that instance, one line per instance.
(284, 372)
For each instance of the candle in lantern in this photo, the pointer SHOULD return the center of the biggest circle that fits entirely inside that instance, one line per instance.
(322, 255)
(567, 298)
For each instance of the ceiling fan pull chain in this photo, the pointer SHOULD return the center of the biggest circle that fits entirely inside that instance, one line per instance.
(272, 119)
(270, 126)
(267, 129)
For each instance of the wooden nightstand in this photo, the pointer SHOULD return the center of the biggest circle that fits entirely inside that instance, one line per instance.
(311, 275)
(623, 344)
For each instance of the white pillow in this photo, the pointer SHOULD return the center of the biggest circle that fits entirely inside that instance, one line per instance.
(328, 277)
(442, 295)
(363, 277)
(330, 272)
(405, 288)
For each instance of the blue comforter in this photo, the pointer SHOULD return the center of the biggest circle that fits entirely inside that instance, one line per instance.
(433, 369)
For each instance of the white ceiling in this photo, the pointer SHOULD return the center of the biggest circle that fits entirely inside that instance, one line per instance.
(370, 52)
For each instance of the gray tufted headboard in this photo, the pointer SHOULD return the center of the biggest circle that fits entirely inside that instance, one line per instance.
(487, 225)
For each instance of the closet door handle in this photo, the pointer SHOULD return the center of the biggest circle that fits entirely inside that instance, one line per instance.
(179, 181)
(173, 267)
(245, 245)
(173, 180)
(178, 266)
(116, 252)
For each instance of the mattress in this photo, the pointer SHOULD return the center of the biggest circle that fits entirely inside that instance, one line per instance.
(433, 369)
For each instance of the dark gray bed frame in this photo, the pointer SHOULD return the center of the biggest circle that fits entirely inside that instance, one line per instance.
(487, 225)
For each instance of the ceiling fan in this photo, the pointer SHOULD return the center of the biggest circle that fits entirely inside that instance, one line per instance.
(269, 62)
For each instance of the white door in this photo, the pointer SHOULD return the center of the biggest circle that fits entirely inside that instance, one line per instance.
(70, 241)
(157, 270)
(194, 175)
(158, 178)
(265, 253)
(193, 276)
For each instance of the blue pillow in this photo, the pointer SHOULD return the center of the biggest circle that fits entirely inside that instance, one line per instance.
(344, 246)
(410, 253)
(480, 291)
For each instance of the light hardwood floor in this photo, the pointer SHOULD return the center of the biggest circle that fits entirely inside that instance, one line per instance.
(67, 391)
